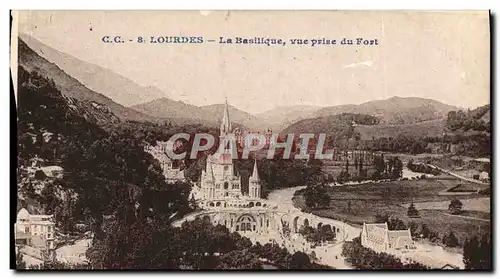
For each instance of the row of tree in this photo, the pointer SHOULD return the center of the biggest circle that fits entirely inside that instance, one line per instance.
(318, 235)
(422, 168)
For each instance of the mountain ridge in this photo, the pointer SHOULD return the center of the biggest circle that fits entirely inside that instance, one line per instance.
(395, 110)
(71, 87)
(118, 88)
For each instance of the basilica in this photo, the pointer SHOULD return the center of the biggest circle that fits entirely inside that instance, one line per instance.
(220, 180)
(220, 194)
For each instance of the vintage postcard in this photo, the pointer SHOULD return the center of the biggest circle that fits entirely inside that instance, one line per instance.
(275, 140)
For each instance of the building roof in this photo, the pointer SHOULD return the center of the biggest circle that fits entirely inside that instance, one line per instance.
(23, 214)
(399, 238)
(37, 241)
(255, 173)
(484, 175)
(376, 231)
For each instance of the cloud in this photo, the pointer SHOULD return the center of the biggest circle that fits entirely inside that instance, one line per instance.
(364, 64)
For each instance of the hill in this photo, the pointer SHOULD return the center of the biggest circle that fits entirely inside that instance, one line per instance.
(182, 113)
(72, 88)
(338, 128)
(432, 128)
(99, 79)
(477, 119)
(395, 110)
(280, 117)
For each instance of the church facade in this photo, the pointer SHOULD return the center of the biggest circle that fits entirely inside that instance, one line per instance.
(379, 238)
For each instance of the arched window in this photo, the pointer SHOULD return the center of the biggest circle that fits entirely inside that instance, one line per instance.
(226, 185)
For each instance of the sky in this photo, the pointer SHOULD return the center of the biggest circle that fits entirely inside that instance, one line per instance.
(439, 55)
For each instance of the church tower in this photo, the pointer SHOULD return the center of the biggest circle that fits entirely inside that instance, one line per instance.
(225, 126)
(208, 181)
(254, 183)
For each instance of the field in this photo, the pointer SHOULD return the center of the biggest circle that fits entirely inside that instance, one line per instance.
(356, 204)
(477, 204)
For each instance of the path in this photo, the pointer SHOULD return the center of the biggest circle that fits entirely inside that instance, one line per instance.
(75, 253)
(466, 217)
(458, 176)
(328, 255)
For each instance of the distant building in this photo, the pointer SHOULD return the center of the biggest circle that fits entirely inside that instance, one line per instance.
(379, 238)
(36, 231)
(172, 169)
(484, 177)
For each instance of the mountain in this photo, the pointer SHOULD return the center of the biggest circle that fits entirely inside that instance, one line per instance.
(72, 88)
(338, 128)
(182, 113)
(280, 117)
(235, 115)
(117, 87)
(395, 110)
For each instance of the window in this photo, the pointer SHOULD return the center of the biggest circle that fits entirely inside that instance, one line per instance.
(27, 229)
(226, 168)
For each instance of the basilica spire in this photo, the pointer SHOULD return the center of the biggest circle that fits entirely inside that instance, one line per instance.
(255, 174)
(225, 126)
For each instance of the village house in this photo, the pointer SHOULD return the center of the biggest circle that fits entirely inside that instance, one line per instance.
(173, 170)
(484, 177)
(379, 238)
(35, 231)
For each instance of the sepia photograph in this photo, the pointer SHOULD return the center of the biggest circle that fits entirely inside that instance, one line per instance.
(251, 140)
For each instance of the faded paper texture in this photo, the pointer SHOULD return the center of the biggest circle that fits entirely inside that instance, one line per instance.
(355, 139)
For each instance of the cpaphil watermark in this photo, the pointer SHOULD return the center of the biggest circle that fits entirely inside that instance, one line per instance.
(302, 146)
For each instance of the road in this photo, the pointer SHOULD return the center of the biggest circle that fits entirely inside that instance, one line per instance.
(459, 176)
(466, 217)
(329, 254)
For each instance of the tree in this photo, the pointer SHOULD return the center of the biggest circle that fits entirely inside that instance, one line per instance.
(425, 231)
(396, 224)
(455, 206)
(413, 229)
(412, 211)
(477, 254)
(192, 203)
(362, 174)
(410, 164)
(300, 260)
(20, 263)
(450, 240)
(397, 168)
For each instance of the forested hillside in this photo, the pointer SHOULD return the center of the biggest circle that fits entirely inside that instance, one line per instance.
(118, 190)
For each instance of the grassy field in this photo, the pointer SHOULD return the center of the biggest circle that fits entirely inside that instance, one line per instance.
(356, 204)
